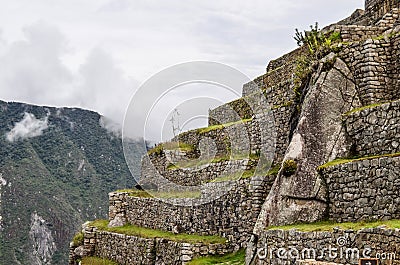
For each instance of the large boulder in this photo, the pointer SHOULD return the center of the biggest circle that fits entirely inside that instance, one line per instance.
(299, 194)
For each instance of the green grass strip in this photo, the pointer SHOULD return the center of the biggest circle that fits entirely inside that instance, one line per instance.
(221, 126)
(366, 107)
(328, 226)
(161, 195)
(341, 161)
(234, 258)
(97, 261)
(137, 231)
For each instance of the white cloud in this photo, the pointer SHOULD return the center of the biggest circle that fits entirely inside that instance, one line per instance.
(28, 127)
(90, 53)
(32, 70)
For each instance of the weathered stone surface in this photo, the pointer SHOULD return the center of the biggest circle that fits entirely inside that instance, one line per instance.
(318, 139)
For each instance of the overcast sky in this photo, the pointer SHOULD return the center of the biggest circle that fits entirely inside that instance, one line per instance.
(94, 53)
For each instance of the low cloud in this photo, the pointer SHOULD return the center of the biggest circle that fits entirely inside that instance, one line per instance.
(111, 126)
(28, 127)
(32, 70)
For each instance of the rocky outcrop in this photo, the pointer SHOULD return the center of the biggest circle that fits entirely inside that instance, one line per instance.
(43, 243)
(318, 138)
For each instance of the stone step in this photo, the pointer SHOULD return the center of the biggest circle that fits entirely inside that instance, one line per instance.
(375, 129)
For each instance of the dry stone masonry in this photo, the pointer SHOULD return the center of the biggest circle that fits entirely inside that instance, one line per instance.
(364, 190)
(375, 130)
(337, 128)
(285, 247)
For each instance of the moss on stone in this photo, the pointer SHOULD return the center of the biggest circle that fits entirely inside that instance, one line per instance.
(142, 232)
(289, 167)
(329, 226)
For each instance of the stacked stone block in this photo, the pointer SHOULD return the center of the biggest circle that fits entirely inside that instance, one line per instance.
(375, 130)
(286, 247)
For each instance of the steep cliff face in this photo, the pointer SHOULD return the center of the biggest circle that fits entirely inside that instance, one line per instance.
(56, 169)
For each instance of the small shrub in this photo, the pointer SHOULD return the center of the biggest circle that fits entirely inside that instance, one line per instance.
(317, 42)
(289, 167)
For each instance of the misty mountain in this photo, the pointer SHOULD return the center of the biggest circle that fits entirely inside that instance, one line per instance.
(57, 166)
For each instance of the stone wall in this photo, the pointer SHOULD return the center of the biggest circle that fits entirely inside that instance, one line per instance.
(375, 130)
(233, 215)
(369, 62)
(368, 189)
(280, 247)
(138, 250)
(233, 111)
(281, 100)
(255, 139)
(376, 9)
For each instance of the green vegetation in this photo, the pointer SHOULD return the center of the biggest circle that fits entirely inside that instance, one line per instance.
(387, 36)
(365, 107)
(274, 170)
(162, 195)
(289, 167)
(235, 176)
(317, 42)
(64, 176)
(97, 261)
(221, 126)
(285, 104)
(318, 45)
(132, 230)
(158, 150)
(78, 239)
(234, 258)
(329, 226)
(349, 160)
(136, 193)
(197, 163)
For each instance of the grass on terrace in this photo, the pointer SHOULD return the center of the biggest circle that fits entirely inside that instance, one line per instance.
(132, 230)
(349, 160)
(328, 226)
(221, 126)
(365, 107)
(197, 163)
(235, 258)
(97, 261)
(171, 146)
(162, 195)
